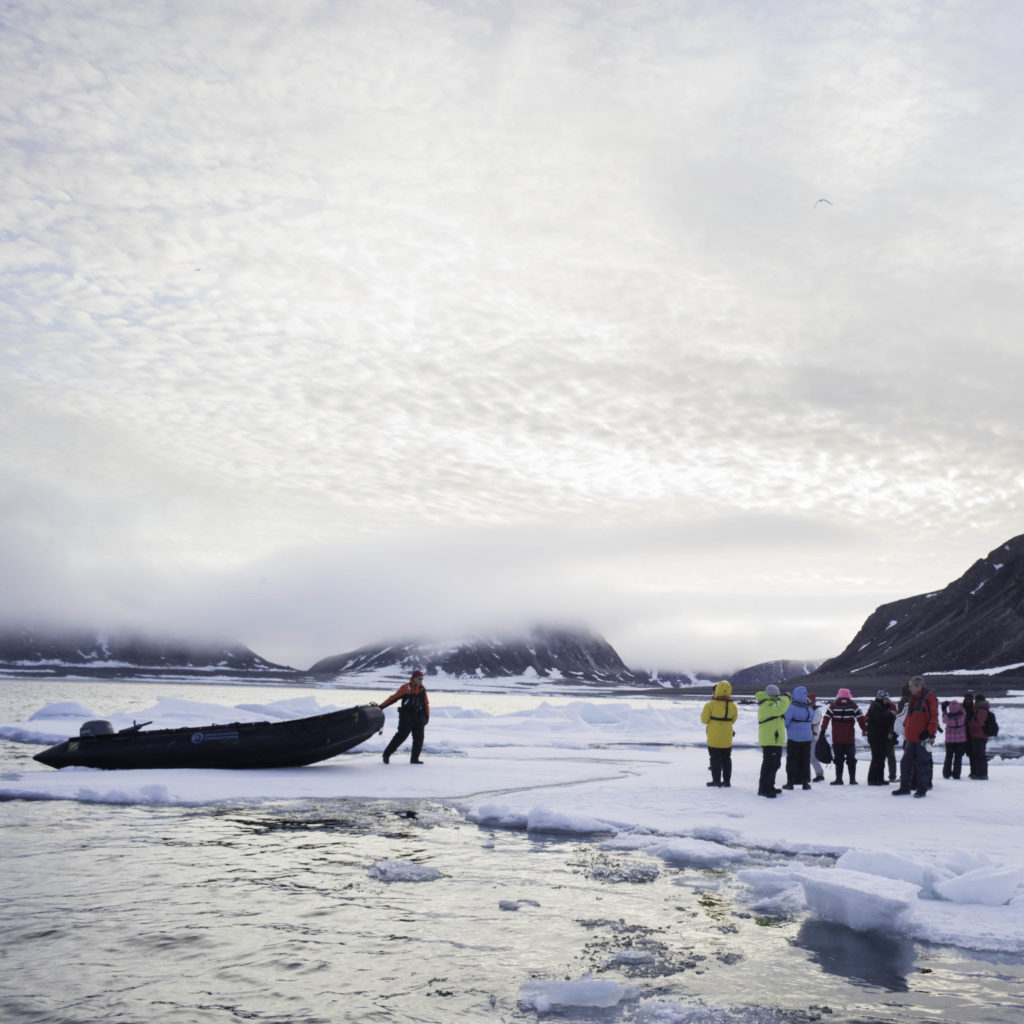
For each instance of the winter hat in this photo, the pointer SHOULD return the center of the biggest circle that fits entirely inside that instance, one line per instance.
(844, 692)
(772, 690)
(882, 695)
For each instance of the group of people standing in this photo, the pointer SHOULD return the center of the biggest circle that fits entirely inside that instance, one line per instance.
(797, 724)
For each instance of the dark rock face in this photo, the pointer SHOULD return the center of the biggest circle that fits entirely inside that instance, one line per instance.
(757, 677)
(30, 651)
(547, 652)
(975, 623)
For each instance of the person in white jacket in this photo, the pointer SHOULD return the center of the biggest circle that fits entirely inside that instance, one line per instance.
(819, 775)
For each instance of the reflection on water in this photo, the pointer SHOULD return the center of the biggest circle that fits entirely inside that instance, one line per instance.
(272, 913)
(864, 958)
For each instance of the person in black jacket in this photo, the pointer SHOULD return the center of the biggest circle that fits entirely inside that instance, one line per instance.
(881, 719)
(413, 715)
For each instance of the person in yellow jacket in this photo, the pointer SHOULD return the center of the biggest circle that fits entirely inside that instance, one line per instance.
(718, 715)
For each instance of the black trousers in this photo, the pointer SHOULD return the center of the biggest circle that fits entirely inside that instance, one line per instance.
(916, 767)
(406, 728)
(721, 764)
(952, 765)
(845, 753)
(771, 758)
(798, 762)
(979, 759)
(879, 753)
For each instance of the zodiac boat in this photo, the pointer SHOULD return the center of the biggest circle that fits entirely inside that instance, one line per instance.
(285, 744)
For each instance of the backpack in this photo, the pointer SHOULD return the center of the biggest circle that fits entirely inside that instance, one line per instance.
(990, 727)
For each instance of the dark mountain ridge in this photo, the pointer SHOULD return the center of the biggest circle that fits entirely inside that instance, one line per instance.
(544, 652)
(972, 627)
(30, 651)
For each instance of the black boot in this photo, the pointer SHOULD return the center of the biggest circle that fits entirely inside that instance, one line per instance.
(853, 774)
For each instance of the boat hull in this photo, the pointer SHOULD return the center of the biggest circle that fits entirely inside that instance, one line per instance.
(286, 744)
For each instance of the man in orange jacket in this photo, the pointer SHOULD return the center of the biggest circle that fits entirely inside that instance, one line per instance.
(920, 727)
(413, 715)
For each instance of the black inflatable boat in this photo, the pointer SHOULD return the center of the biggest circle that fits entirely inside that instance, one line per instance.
(286, 744)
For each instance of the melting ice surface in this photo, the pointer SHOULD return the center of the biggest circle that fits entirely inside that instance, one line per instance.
(630, 776)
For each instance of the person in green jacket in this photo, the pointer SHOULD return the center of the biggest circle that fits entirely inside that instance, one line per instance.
(771, 735)
(718, 715)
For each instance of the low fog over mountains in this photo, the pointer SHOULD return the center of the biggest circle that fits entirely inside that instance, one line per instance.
(973, 626)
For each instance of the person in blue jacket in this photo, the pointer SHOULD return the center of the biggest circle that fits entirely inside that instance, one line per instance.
(799, 718)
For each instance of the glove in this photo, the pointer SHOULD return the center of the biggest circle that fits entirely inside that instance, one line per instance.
(926, 737)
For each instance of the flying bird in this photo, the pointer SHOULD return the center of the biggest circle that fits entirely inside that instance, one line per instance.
(823, 200)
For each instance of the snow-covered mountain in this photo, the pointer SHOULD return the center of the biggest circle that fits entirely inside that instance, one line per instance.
(44, 652)
(544, 652)
(975, 624)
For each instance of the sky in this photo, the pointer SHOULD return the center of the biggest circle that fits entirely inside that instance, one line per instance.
(327, 323)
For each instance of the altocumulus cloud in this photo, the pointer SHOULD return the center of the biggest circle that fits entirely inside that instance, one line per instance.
(302, 303)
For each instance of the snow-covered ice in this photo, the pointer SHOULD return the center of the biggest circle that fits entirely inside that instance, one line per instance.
(631, 775)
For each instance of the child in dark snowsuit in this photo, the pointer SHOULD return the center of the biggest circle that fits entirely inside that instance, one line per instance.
(881, 719)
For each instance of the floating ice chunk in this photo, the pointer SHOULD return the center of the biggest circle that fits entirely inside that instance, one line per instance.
(960, 861)
(697, 853)
(545, 819)
(901, 866)
(403, 871)
(545, 995)
(632, 841)
(784, 904)
(858, 900)
(989, 886)
(497, 815)
(770, 881)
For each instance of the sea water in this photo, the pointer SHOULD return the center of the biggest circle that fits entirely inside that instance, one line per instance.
(339, 910)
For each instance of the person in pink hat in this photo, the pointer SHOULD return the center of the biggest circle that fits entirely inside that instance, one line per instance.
(844, 715)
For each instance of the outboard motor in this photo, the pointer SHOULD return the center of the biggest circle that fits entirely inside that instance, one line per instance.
(99, 727)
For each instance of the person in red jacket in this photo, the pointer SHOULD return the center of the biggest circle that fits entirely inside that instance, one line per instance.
(920, 727)
(413, 715)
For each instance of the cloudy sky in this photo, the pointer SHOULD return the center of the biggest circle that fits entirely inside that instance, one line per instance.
(326, 322)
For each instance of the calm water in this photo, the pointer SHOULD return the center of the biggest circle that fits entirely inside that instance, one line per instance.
(272, 913)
